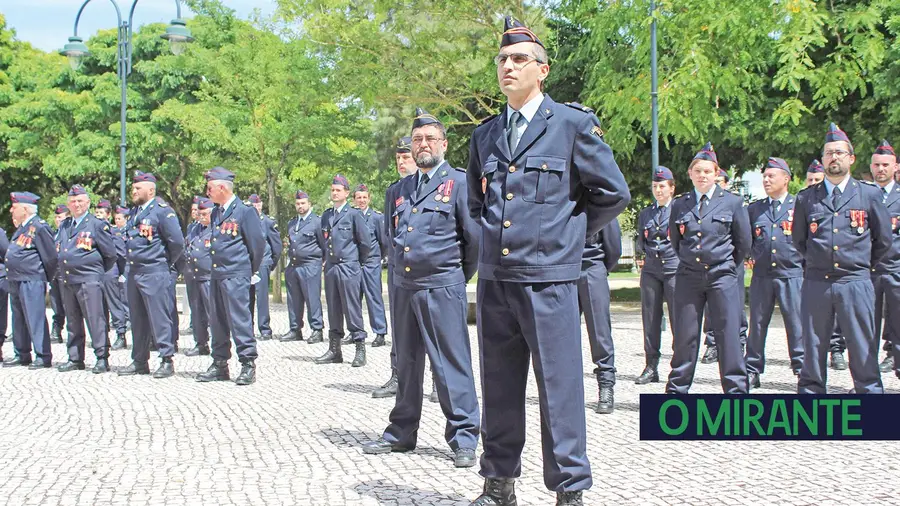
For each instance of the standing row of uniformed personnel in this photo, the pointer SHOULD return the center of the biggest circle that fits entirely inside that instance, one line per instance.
(540, 180)
(259, 293)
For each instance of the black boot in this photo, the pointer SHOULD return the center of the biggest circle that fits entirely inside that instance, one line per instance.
(71, 365)
(333, 355)
(56, 333)
(711, 356)
(837, 361)
(752, 380)
(434, 395)
(569, 499)
(166, 369)
(650, 373)
(315, 337)
(218, 371)
(248, 373)
(120, 343)
(348, 339)
(606, 403)
(886, 365)
(379, 341)
(389, 389)
(293, 335)
(101, 366)
(360, 359)
(196, 351)
(497, 492)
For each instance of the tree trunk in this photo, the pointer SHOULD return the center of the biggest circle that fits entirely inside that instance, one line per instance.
(275, 286)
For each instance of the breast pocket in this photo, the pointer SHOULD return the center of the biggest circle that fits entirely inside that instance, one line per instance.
(397, 214)
(488, 173)
(544, 181)
(439, 216)
(759, 230)
(722, 223)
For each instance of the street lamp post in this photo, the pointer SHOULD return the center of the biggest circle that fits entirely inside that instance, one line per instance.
(654, 93)
(177, 34)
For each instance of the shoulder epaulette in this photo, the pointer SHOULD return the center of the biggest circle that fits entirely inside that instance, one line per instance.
(485, 120)
(582, 108)
(161, 203)
(870, 183)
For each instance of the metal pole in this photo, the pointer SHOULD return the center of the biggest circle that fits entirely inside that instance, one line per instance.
(654, 86)
(123, 80)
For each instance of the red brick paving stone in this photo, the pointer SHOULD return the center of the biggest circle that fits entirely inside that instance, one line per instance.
(294, 438)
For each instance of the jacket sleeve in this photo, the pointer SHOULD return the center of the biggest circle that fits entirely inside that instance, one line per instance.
(170, 235)
(639, 243)
(473, 181)
(388, 221)
(612, 244)
(4, 244)
(674, 231)
(880, 227)
(801, 226)
(320, 235)
(106, 245)
(741, 237)
(46, 249)
(380, 237)
(606, 192)
(273, 236)
(362, 236)
(469, 232)
(253, 237)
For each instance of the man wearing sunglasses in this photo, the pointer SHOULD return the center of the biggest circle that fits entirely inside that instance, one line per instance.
(540, 180)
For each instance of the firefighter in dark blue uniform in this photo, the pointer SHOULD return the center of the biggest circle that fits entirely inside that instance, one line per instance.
(657, 271)
(601, 254)
(154, 244)
(120, 233)
(886, 274)
(87, 251)
(371, 268)
(435, 243)
(4, 290)
(31, 262)
(56, 304)
(815, 174)
(303, 275)
(540, 181)
(842, 229)
(712, 354)
(114, 307)
(196, 271)
(237, 252)
(347, 241)
(259, 293)
(189, 331)
(710, 232)
(777, 271)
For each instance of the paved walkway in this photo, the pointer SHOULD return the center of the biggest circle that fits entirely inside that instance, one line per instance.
(294, 438)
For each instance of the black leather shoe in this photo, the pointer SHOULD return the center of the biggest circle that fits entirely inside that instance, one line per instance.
(186, 332)
(315, 337)
(360, 359)
(389, 389)
(569, 499)
(711, 356)
(218, 371)
(434, 395)
(71, 366)
(56, 334)
(346, 340)
(753, 380)
(379, 341)
(887, 364)
(17, 361)
(247, 375)
(120, 343)
(166, 369)
(264, 337)
(796, 372)
(294, 335)
(334, 354)
(464, 457)
(837, 361)
(196, 351)
(649, 375)
(40, 364)
(135, 369)
(101, 366)
(380, 447)
(497, 492)
(606, 404)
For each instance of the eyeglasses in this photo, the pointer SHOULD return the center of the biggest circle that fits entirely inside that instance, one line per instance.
(429, 139)
(519, 60)
(836, 153)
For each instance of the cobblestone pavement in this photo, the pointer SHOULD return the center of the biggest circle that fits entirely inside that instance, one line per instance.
(294, 438)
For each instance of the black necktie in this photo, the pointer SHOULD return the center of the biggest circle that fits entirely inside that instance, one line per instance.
(775, 205)
(659, 212)
(703, 201)
(885, 196)
(423, 180)
(515, 120)
(835, 197)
